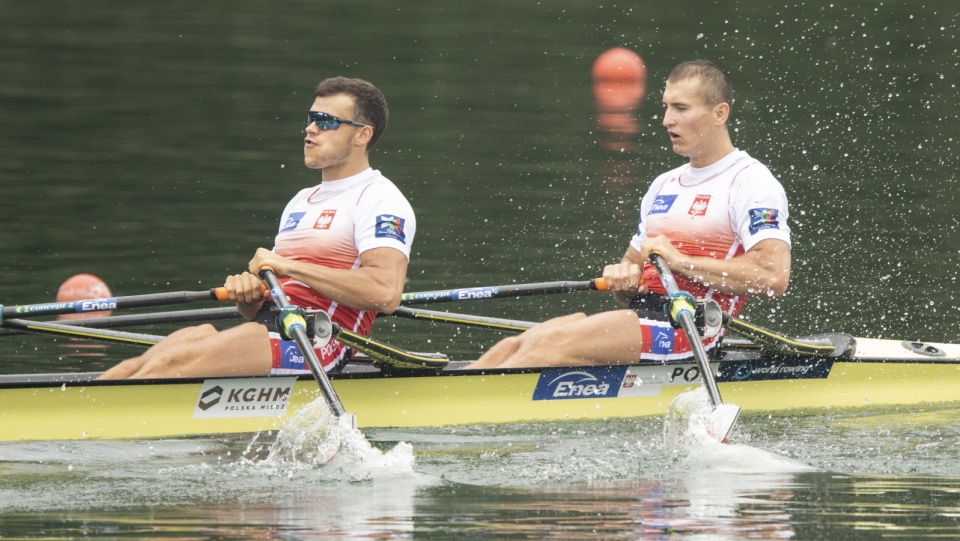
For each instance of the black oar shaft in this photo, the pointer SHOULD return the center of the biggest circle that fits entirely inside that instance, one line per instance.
(111, 303)
(685, 316)
(299, 333)
(499, 292)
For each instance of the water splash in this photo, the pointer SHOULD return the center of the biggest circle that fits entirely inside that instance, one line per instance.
(315, 438)
(686, 433)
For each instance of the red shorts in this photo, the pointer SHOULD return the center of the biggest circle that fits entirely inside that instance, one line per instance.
(661, 342)
(287, 358)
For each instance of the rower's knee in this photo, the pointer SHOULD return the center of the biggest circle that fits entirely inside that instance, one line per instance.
(191, 334)
(163, 364)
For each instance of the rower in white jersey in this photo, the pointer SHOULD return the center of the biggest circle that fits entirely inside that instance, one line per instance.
(719, 222)
(343, 247)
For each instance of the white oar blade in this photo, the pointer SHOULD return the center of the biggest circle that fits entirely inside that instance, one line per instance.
(720, 422)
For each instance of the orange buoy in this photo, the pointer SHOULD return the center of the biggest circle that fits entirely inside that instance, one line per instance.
(619, 86)
(619, 64)
(80, 287)
(619, 80)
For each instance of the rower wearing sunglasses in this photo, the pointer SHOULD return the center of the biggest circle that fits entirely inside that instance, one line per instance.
(342, 247)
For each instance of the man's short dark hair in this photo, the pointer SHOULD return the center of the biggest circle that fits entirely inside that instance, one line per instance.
(371, 106)
(715, 81)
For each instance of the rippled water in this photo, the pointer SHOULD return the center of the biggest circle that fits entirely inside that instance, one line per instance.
(845, 476)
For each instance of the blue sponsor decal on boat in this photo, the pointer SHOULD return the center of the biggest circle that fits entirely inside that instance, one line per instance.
(662, 204)
(292, 221)
(569, 383)
(773, 370)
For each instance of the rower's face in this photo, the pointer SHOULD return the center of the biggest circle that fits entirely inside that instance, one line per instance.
(690, 122)
(330, 148)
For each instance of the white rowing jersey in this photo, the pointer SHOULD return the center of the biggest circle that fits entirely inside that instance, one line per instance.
(332, 224)
(719, 211)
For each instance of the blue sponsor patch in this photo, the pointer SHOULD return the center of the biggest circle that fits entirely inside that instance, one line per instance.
(662, 204)
(764, 219)
(772, 370)
(292, 221)
(290, 356)
(662, 337)
(571, 383)
(391, 227)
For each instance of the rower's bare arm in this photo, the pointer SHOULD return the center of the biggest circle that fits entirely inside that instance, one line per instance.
(764, 270)
(375, 285)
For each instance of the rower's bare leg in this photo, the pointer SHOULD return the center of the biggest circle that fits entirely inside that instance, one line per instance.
(243, 350)
(173, 341)
(605, 338)
(504, 349)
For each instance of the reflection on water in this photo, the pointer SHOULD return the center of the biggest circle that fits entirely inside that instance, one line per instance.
(619, 85)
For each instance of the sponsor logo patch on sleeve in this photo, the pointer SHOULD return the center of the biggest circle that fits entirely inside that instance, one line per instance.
(764, 219)
(391, 227)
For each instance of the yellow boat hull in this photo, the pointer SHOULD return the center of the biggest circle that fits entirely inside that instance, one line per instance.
(71, 407)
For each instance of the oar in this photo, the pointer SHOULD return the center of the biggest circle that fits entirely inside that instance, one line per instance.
(383, 354)
(784, 344)
(293, 323)
(43, 327)
(112, 303)
(501, 292)
(463, 319)
(135, 320)
(683, 307)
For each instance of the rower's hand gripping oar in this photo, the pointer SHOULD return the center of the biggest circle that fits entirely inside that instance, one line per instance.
(682, 309)
(293, 323)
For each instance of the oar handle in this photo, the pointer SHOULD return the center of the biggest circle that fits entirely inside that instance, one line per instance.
(220, 293)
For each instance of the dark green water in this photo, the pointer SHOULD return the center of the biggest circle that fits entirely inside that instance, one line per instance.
(155, 144)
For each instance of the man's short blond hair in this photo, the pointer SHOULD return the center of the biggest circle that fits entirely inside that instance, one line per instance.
(715, 86)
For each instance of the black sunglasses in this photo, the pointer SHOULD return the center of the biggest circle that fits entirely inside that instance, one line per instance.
(326, 121)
